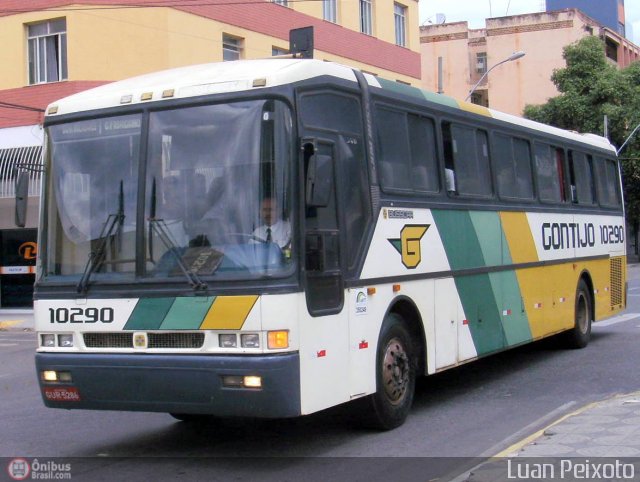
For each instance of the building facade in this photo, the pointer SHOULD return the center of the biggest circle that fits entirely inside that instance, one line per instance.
(455, 57)
(54, 48)
(609, 13)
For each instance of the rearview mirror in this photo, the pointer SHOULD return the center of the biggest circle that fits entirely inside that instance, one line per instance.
(22, 195)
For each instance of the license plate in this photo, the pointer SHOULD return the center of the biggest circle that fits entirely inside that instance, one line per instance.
(62, 394)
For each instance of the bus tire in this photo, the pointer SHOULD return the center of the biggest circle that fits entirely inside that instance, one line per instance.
(389, 406)
(580, 334)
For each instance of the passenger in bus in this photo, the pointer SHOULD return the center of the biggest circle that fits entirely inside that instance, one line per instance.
(274, 229)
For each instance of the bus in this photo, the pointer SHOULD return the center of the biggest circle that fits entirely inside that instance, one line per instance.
(271, 238)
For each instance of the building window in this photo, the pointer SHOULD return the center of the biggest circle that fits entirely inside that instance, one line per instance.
(231, 47)
(400, 20)
(275, 51)
(366, 17)
(481, 62)
(611, 49)
(330, 10)
(47, 47)
(284, 3)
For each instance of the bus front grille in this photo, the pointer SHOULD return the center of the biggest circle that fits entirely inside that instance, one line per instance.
(176, 340)
(108, 340)
(155, 340)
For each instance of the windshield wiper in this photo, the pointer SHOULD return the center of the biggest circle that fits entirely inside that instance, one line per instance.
(159, 226)
(96, 258)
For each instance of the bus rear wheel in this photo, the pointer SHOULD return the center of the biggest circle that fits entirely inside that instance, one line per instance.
(395, 376)
(580, 334)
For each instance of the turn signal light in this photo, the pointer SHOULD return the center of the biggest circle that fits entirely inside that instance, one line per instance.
(277, 340)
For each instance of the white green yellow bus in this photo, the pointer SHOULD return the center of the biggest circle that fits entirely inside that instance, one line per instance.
(409, 233)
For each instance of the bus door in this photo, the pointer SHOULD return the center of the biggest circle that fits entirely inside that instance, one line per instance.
(337, 227)
(323, 273)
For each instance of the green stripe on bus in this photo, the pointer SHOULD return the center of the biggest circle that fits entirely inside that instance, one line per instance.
(187, 313)
(486, 225)
(419, 93)
(464, 248)
(505, 287)
(482, 313)
(459, 239)
(515, 322)
(149, 313)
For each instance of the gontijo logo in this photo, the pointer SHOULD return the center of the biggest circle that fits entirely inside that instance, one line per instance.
(408, 245)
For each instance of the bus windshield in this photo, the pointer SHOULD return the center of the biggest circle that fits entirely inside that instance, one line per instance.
(215, 195)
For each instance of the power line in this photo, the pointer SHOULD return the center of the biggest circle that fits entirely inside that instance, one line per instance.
(8, 105)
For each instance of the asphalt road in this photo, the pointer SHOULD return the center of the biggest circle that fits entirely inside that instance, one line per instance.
(473, 411)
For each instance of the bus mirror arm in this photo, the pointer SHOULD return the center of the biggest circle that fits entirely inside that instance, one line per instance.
(319, 180)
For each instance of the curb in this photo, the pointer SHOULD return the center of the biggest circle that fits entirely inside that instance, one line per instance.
(512, 452)
(9, 324)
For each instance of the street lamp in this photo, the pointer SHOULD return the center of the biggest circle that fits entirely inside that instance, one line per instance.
(513, 56)
(628, 139)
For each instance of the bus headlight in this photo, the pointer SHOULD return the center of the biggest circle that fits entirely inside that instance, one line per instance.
(228, 341)
(65, 341)
(48, 340)
(251, 340)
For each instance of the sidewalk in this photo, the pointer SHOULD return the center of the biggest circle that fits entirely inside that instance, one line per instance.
(599, 438)
(17, 319)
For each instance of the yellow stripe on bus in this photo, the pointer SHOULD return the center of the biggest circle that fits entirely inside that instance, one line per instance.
(476, 109)
(228, 312)
(518, 233)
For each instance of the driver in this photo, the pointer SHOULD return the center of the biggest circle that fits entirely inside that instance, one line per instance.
(274, 229)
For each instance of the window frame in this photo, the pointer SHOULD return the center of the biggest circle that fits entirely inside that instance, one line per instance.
(602, 159)
(330, 10)
(408, 116)
(495, 164)
(366, 17)
(554, 148)
(475, 127)
(37, 46)
(232, 44)
(400, 23)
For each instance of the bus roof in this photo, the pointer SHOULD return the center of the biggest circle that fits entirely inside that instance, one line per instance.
(243, 75)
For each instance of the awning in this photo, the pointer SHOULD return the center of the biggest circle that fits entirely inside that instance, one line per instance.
(25, 136)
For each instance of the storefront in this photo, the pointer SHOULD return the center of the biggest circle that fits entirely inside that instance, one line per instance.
(20, 147)
(18, 249)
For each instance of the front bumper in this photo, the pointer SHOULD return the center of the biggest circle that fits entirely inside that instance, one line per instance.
(175, 383)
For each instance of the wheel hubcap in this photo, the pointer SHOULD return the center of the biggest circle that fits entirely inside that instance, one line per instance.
(395, 371)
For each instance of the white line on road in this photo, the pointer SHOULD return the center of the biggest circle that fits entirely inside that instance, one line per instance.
(8, 344)
(617, 319)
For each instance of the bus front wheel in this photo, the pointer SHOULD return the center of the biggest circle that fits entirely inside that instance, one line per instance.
(579, 335)
(389, 406)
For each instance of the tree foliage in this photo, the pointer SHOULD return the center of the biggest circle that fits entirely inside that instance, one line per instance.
(591, 87)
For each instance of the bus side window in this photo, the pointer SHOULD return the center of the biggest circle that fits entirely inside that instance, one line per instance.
(606, 173)
(512, 161)
(549, 172)
(447, 144)
(424, 160)
(470, 148)
(581, 176)
(393, 150)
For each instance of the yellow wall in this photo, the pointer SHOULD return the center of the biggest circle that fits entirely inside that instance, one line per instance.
(116, 44)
